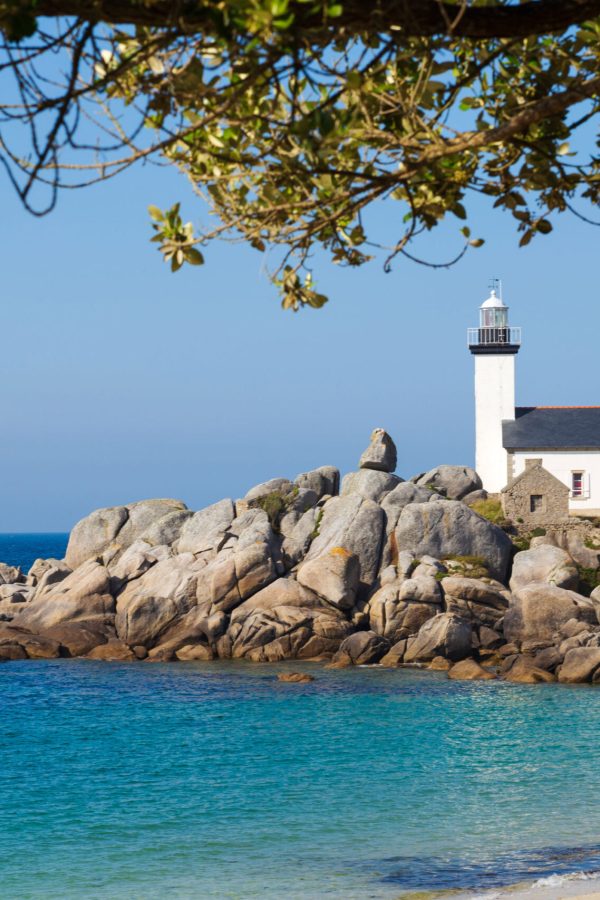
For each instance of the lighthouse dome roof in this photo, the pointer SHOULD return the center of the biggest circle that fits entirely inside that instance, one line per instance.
(493, 302)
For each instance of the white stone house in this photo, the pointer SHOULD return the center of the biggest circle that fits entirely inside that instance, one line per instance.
(565, 438)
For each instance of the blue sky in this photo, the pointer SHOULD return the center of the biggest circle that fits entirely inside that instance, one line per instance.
(121, 381)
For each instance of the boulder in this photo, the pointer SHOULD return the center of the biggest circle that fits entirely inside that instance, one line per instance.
(46, 572)
(295, 677)
(77, 639)
(476, 591)
(525, 671)
(192, 628)
(40, 566)
(447, 528)
(334, 576)
(544, 563)
(230, 579)
(548, 659)
(479, 601)
(286, 632)
(134, 561)
(369, 483)
(325, 480)
(12, 652)
(380, 454)
(469, 670)
(474, 497)
(423, 589)
(91, 536)
(362, 648)
(392, 505)
(84, 595)
(298, 534)
(580, 664)
(273, 486)
(453, 482)
(11, 574)
(444, 635)
(195, 652)
(15, 592)
(35, 646)
(440, 664)
(150, 604)
(356, 524)
(205, 530)
(155, 521)
(395, 618)
(429, 567)
(393, 658)
(286, 592)
(113, 651)
(158, 521)
(538, 611)
(489, 639)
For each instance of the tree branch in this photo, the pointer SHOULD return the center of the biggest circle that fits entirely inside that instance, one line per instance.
(418, 18)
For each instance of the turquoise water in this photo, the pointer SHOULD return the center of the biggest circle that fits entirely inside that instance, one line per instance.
(214, 780)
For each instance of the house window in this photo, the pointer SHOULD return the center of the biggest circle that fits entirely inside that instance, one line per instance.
(536, 503)
(577, 484)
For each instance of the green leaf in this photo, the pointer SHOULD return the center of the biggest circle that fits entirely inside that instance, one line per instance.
(156, 213)
(194, 256)
(335, 11)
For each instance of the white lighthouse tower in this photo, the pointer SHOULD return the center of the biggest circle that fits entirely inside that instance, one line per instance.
(494, 345)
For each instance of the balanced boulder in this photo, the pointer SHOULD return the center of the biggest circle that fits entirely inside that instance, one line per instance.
(380, 454)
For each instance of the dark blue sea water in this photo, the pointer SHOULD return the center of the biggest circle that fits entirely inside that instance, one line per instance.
(214, 780)
(23, 549)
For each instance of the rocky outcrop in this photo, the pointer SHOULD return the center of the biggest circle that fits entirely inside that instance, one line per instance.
(538, 611)
(544, 563)
(148, 605)
(445, 635)
(83, 596)
(362, 649)
(108, 531)
(580, 664)
(204, 532)
(369, 483)
(453, 482)
(334, 576)
(386, 572)
(447, 528)
(357, 525)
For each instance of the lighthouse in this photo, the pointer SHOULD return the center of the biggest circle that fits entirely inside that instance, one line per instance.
(494, 344)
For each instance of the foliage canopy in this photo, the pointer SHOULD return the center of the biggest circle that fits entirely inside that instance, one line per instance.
(292, 118)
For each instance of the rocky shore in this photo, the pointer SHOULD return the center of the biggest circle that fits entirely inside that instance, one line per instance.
(373, 570)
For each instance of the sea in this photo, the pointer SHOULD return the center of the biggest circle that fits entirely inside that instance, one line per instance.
(215, 780)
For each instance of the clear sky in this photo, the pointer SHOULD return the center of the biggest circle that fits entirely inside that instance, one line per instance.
(121, 381)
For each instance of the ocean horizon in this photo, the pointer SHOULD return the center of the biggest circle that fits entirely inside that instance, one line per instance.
(216, 780)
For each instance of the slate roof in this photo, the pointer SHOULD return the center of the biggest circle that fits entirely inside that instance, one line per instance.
(553, 427)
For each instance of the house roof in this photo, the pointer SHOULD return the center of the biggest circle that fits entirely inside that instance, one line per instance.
(553, 427)
(539, 475)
